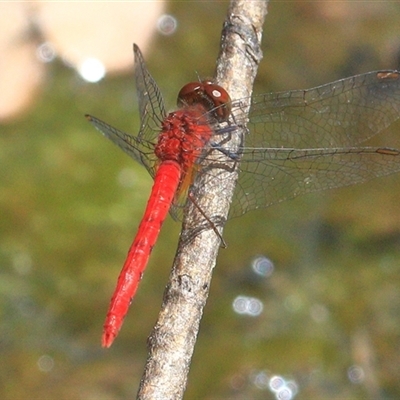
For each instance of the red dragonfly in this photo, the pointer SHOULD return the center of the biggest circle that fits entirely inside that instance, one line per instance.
(299, 142)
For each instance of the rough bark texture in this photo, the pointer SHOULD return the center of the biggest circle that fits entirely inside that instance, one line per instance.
(173, 338)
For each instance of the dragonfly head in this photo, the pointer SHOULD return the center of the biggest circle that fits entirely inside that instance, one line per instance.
(212, 97)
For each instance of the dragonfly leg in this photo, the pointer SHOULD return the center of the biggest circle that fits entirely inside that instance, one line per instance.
(211, 223)
(216, 221)
(227, 132)
(235, 156)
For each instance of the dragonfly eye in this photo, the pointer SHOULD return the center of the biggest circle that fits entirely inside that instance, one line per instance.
(190, 94)
(212, 97)
(220, 99)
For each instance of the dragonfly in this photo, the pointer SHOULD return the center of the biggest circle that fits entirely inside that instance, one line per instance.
(297, 142)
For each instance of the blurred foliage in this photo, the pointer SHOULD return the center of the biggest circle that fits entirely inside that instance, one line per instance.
(70, 203)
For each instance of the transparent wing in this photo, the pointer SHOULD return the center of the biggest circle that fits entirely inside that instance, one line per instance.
(151, 103)
(139, 150)
(304, 141)
(152, 112)
(342, 113)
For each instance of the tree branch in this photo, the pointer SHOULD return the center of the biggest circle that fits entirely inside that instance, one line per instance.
(172, 340)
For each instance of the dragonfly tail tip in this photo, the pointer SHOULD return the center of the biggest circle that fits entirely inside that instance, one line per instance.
(107, 340)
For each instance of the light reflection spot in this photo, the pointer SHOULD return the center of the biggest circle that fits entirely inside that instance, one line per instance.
(276, 383)
(284, 394)
(292, 385)
(45, 363)
(284, 390)
(92, 70)
(247, 306)
(281, 388)
(167, 25)
(261, 380)
(262, 266)
(46, 52)
(356, 374)
(237, 382)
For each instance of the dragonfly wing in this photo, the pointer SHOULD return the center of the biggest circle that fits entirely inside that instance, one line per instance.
(305, 140)
(339, 114)
(151, 103)
(269, 176)
(152, 113)
(141, 151)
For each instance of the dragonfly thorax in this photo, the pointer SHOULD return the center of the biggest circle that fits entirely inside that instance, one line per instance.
(183, 137)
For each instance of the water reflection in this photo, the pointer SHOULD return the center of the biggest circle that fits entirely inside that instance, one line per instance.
(245, 305)
(282, 388)
(45, 363)
(167, 25)
(46, 52)
(356, 374)
(262, 266)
